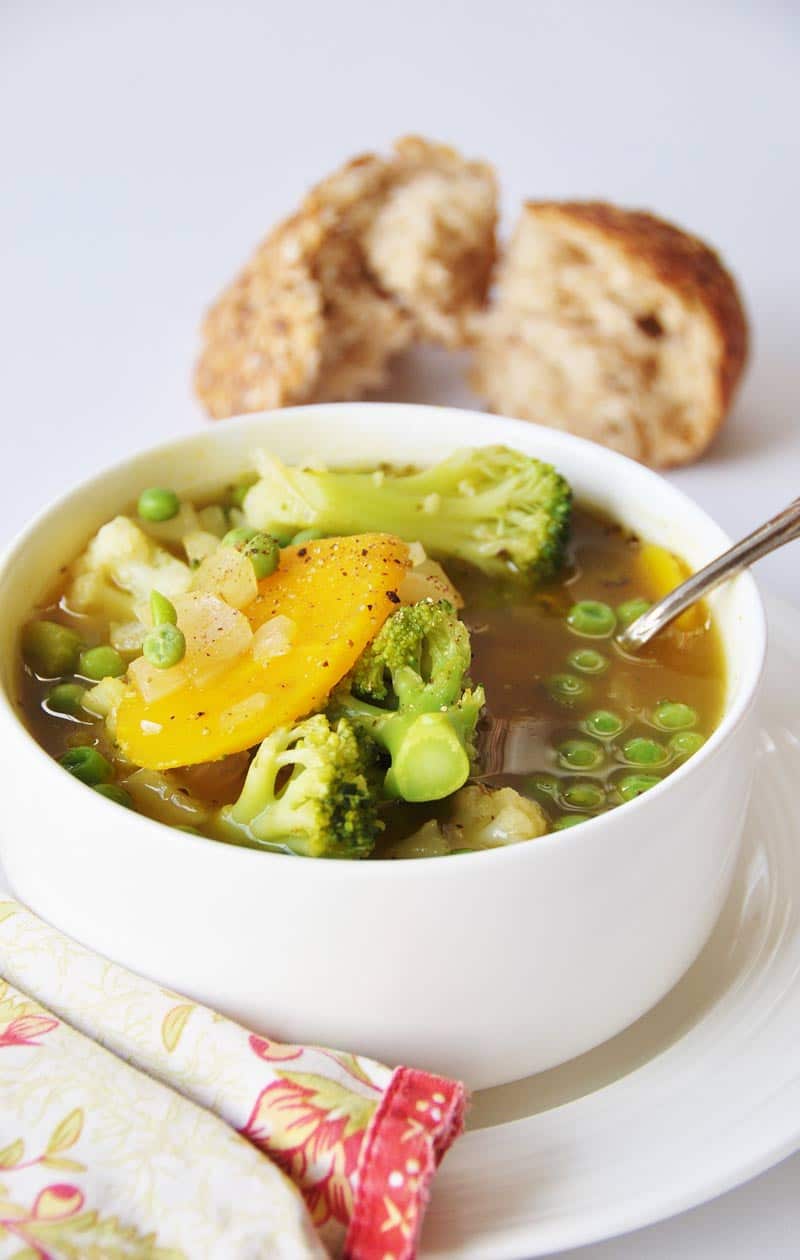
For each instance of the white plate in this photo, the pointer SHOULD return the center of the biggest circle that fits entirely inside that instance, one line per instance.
(698, 1096)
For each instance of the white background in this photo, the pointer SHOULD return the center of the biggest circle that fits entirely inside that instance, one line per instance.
(145, 147)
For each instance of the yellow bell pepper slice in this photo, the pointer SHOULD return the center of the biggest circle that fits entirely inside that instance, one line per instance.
(338, 592)
(661, 572)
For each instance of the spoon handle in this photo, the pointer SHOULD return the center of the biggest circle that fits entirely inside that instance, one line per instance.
(781, 529)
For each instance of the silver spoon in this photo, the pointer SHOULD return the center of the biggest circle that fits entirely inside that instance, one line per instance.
(783, 528)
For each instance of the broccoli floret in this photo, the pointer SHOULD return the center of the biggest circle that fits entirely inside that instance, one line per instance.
(499, 509)
(307, 792)
(409, 693)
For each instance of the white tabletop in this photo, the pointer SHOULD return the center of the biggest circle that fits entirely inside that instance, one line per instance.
(146, 147)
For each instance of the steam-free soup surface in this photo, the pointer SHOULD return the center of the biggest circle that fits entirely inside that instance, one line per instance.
(570, 721)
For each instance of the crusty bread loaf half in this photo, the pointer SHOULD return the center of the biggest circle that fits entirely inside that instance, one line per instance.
(616, 326)
(382, 251)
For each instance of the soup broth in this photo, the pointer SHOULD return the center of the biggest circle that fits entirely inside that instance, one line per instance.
(571, 721)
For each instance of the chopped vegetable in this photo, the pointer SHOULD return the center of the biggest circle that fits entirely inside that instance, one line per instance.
(307, 791)
(499, 509)
(50, 649)
(661, 572)
(339, 592)
(101, 662)
(407, 692)
(87, 764)
(119, 569)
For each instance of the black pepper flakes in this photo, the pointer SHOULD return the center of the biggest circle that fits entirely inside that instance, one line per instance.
(393, 596)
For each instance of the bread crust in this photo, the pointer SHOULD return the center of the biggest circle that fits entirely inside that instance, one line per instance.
(660, 251)
(311, 318)
(683, 263)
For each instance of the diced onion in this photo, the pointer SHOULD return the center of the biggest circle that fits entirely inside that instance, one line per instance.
(127, 636)
(274, 638)
(428, 580)
(241, 713)
(230, 575)
(198, 544)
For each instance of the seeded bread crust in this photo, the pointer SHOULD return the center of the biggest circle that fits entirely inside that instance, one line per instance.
(380, 252)
(654, 257)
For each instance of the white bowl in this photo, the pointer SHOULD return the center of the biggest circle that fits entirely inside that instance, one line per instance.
(488, 967)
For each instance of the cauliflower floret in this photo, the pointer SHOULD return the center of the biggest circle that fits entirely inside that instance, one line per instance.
(487, 818)
(119, 569)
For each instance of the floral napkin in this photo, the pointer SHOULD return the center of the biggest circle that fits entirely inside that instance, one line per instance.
(132, 1123)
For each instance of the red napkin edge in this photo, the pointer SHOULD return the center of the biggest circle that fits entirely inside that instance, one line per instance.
(417, 1121)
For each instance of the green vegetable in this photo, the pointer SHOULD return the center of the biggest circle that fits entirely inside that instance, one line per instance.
(502, 511)
(408, 693)
(156, 504)
(632, 785)
(307, 790)
(580, 754)
(164, 646)
(86, 764)
(262, 550)
(641, 751)
(671, 716)
(543, 786)
(603, 723)
(686, 742)
(593, 618)
(588, 661)
(628, 612)
(50, 649)
(584, 795)
(239, 536)
(306, 535)
(569, 820)
(162, 610)
(101, 662)
(114, 793)
(66, 698)
(264, 553)
(569, 690)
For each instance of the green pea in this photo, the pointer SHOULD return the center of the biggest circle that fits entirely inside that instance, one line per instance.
(164, 646)
(593, 618)
(584, 795)
(543, 786)
(686, 742)
(641, 751)
(157, 504)
(162, 610)
(632, 785)
(628, 612)
(569, 820)
(114, 793)
(580, 754)
(306, 535)
(672, 716)
(588, 661)
(66, 698)
(50, 649)
(569, 690)
(98, 663)
(603, 723)
(239, 536)
(86, 764)
(264, 554)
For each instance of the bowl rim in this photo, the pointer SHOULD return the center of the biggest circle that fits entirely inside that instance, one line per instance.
(566, 839)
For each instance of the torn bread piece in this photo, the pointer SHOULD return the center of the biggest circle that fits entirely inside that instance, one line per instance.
(614, 325)
(382, 251)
